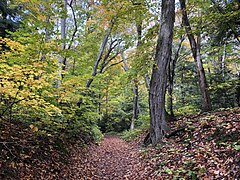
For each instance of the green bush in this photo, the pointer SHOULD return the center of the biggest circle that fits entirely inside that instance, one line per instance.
(130, 135)
(143, 121)
(96, 133)
(187, 110)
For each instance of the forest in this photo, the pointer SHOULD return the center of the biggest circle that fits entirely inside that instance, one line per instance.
(119, 89)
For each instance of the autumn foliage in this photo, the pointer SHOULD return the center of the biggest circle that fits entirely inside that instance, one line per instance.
(53, 121)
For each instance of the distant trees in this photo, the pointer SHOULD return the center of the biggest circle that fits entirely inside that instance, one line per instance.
(106, 51)
(9, 17)
(196, 53)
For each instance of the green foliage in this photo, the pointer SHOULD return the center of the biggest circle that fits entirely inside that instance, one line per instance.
(224, 94)
(222, 21)
(96, 133)
(30, 72)
(236, 146)
(189, 109)
(186, 94)
(143, 121)
(192, 175)
(29, 68)
(129, 135)
(28, 76)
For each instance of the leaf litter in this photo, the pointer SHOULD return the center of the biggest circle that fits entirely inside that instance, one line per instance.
(206, 146)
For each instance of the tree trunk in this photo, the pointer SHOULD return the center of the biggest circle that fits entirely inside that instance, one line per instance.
(223, 62)
(102, 48)
(170, 97)
(238, 89)
(181, 87)
(195, 48)
(171, 76)
(158, 84)
(135, 105)
(206, 102)
(63, 37)
(147, 81)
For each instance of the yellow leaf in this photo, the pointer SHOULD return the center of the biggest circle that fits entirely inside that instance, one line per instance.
(34, 128)
(13, 165)
(31, 126)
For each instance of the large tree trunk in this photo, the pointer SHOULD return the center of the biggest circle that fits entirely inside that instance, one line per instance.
(158, 84)
(195, 48)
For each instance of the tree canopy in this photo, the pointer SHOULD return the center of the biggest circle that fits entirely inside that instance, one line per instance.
(83, 66)
(72, 71)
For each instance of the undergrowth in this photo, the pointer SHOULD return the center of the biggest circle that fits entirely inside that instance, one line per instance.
(205, 146)
(129, 135)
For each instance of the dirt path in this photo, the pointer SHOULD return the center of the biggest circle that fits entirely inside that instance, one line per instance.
(112, 159)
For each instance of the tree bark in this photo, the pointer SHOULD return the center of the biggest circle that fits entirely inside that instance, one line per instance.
(238, 90)
(158, 84)
(63, 38)
(223, 62)
(195, 48)
(147, 81)
(64, 62)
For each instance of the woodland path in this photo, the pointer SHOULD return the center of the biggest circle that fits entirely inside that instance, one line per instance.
(112, 159)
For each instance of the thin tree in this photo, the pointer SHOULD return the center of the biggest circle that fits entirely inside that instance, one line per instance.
(136, 106)
(171, 76)
(195, 48)
(63, 38)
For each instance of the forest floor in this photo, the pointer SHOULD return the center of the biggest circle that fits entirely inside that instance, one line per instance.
(113, 158)
(205, 146)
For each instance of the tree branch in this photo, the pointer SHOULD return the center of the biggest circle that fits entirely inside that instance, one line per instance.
(112, 65)
(75, 25)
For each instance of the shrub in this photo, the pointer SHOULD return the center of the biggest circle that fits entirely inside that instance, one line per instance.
(130, 135)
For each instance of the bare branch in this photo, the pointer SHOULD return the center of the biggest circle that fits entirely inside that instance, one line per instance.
(75, 25)
(102, 48)
(111, 65)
